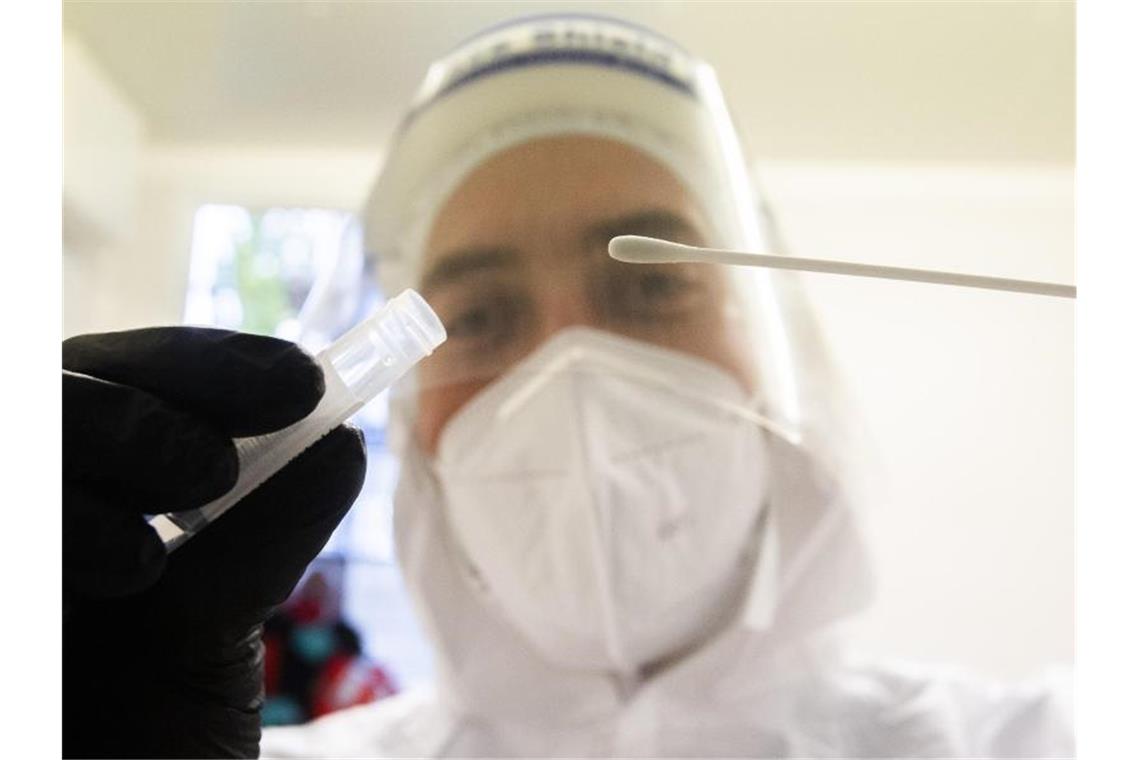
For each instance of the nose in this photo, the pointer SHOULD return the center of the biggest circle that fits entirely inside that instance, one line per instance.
(565, 306)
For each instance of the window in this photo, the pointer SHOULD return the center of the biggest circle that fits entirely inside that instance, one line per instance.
(255, 270)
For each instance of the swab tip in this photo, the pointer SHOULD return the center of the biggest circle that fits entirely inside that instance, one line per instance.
(637, 249)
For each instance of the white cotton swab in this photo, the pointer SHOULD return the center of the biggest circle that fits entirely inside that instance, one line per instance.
(636, 249)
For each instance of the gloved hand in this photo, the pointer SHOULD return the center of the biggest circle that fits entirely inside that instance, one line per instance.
(162, 655)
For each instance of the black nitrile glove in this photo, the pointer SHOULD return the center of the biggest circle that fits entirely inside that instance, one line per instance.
(162, 655)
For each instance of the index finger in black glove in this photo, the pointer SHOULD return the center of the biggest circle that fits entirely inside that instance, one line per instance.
(145, 455)
(241, 384)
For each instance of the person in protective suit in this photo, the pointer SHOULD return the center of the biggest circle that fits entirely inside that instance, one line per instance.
(624, 513)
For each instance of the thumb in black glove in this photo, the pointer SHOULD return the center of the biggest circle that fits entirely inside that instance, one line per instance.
(162, 655)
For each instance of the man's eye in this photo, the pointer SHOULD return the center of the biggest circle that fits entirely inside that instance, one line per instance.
(494, 320)
(652, 294)
(647, 295)
(658, 286)
(471, 322)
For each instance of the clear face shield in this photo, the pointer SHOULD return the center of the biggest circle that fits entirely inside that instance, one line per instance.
(602, 432)
(526, 151)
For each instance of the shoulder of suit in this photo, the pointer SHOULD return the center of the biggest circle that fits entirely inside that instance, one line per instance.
(958, 710)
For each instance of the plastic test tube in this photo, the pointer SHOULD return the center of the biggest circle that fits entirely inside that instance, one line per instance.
(363, 362)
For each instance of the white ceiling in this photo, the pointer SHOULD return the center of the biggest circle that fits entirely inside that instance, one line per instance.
(928, 82)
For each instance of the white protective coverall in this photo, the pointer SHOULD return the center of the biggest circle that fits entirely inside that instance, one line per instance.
(773, 681)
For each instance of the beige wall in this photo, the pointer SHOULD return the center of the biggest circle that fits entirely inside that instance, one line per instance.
(967, 398)
(103, 134)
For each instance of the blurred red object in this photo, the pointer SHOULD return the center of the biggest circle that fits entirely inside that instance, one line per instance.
(349, 680)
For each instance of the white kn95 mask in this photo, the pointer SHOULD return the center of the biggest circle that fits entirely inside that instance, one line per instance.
(608, 494)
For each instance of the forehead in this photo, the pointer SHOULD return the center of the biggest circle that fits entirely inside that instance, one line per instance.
(555, 187)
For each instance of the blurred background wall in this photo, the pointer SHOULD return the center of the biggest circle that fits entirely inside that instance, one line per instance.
(920, 134)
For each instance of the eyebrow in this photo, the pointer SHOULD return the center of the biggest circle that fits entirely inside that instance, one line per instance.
(656, 222)
(458, 264)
